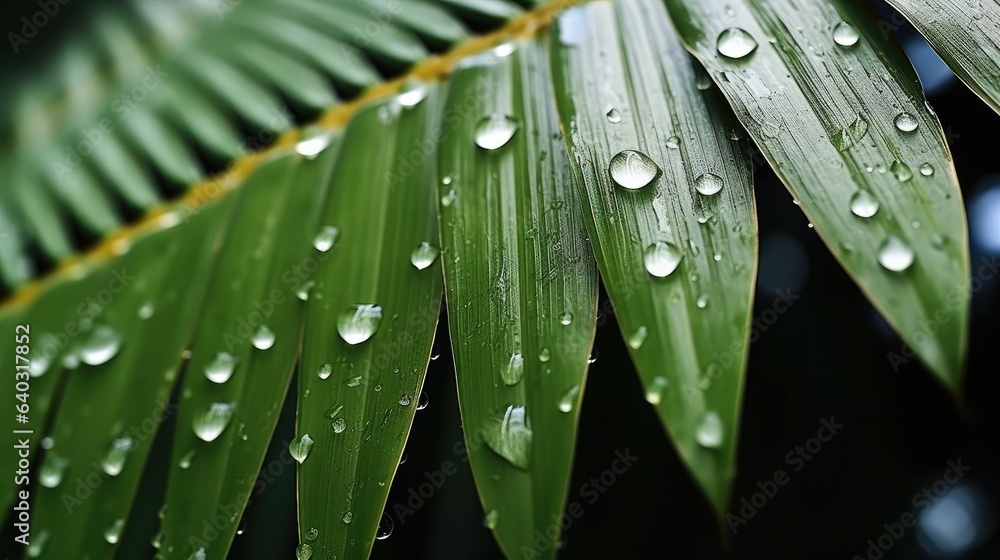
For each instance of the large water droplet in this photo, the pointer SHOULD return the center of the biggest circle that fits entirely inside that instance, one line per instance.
(411, 94)
(845, 35)
(566, 319)
(221, 368)
(209, 424)
(927, 170)
(339, 425)
(359, 322)
(303, 552)
(735, 43)
(325, 371)
(568, 400)
(636, 339)
(654, 393)
(906, 122)
(102, 345)
(494, 131)
(492, 519)
(544, 355)
(348, 517)
(633, 170)
(863, 204)
(662, 258)
(513, 371)
(710, 430)
(708, 184)
(113, 533)
(263, 338)
(300, 449)
(895, 255)
(50, 475)
(424, 255)
(325, 239)
(509, 436)
(312, 146)
(423, 401)
(114, 459)
(901, 171)
(614, 116)
(385, 527)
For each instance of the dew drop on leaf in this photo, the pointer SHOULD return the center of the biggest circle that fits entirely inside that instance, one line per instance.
(263, 338)
(633, 170)
(102, 345)
(492, 519)
(221, 368)
(654, 393)
(385, 527)
(359, 322)
(210, 423)
(636, 339)
(906, 122)
(845, 35)
(325, 239)
(509, 436)
(513, 371)
(710, 430)
(863, 204)
(494, 131)
(424, 255)
(708, 184)
(614, 116)
(299, 450)
(662, 258)
(735, 43)
(568, 401)
(895, 255)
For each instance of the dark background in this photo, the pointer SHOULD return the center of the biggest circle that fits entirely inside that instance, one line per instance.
(825, 357)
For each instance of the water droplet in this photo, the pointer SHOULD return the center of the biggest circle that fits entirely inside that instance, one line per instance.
(895, 255)
(636, 339)
(927, 170)
(656, 389)
(735, 43)
(568, 400)
(709, 433)
(348, 517)
(303, 292)
(509, 436)
(114, 459)
(50, 475)
(851, 135)
(845, 35)
(614, 116)
(221, 368)
(113, 533)
(339, 425)
(633, 170)
(185, 461)
(38, 366)
(37, 544)
(385, 527)
(504, 50)
(312, 533)
(863, 204)
(263, 338)
(448, 198)
(303, 552)
(513, 371)
(423, 401)
(404, 400)
(491, 519)
(938, 240)
(210, 424)
(544, 355)
(325, 371)
(359, 322)
(901, 171)
(334, 411)
(566, 319)
(300, 449)
(147, 310)
(494, 131)
(424, 255)
(412, 93)
(312, 146)
(354, 381)
(673, 142)
(325, 239)
(102, 345)
(708, 184)
(906, 122)
(662, 258)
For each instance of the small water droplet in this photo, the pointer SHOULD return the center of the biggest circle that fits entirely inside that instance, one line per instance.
(102, 345)
(404, 400)
(863, 204)
(491, 519)
(221, 368)
(185, 461)
(147, 310)
(509, 436)
(673, 142)
(662, 258)
(424, 255)
(325, 239)
(906, 122)
(334, 411)
(312, 146)
(702, 302)
(708, 184)
(411, 94)
(895, 255)
(339, 425)
(114, 459)
(354, 381)
(927, 170)
(544, 355)
(568, 400)
(263, 338)
(385, 527)
(37, 544)
(325, 371)
(348, 517)
(38, 365)
(513, 371)
(423, 401)
(312, 533)
(448, 198)
(494, 131)
(209, 424)
(735, 43)
(359, 322)
(845, 35)
(656, 389)
(901, 171)
(566, 319)
(633, 170)
(636, 339)
(50, 475)
(614, 116)
(303, 552)
(113, 533)
(304, 290)
(938, 240)
(299, 450)
(710, 430)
